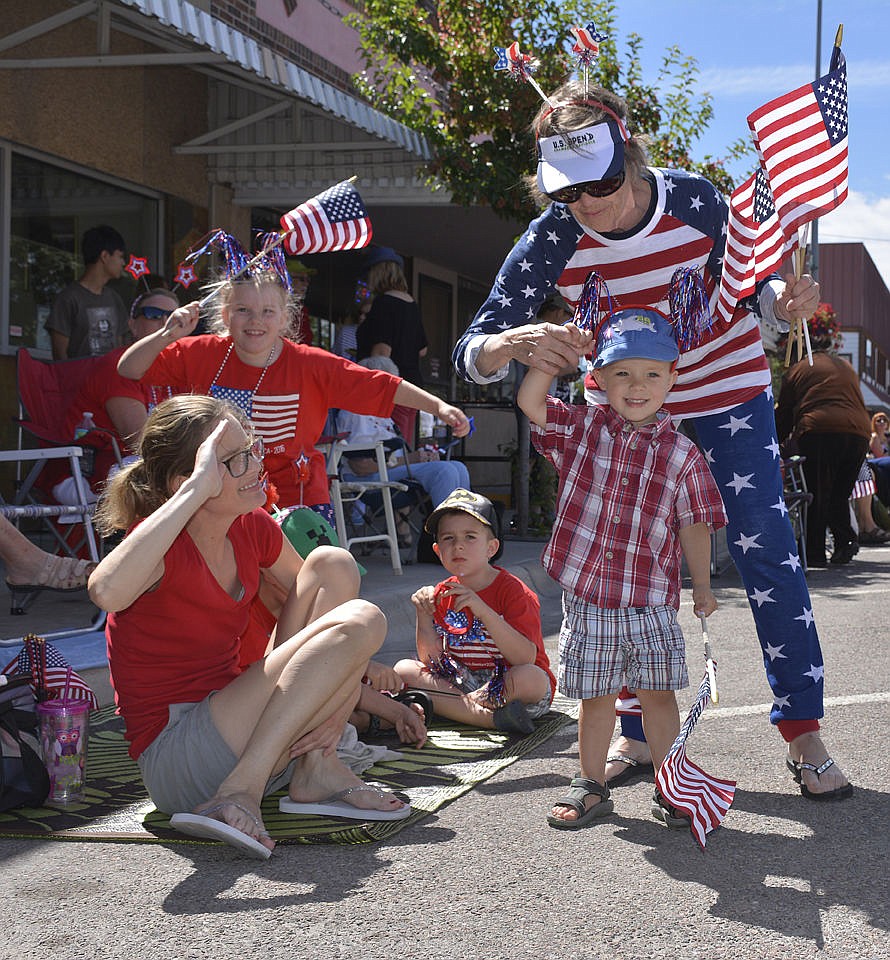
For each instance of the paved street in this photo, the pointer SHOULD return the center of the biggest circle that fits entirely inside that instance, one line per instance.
(487, 878)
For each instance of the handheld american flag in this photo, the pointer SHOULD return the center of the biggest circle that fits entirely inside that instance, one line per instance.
(686, 786)
(802, 140)
(333, 220)
(755, 244)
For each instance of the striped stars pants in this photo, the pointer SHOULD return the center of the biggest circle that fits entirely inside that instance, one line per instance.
(743, 454)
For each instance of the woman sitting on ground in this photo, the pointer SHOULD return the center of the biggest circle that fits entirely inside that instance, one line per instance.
(208, 737)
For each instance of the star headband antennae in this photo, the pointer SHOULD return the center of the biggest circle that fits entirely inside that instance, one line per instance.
(520, 66)
(587, 48)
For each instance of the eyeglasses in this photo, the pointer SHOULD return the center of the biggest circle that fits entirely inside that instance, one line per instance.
(153, 313)
(239, 463)
(881, 420)
(593, 188)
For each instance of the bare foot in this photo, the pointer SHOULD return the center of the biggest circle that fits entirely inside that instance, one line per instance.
(625, 747)
(808, 748)
(318, 778)
(241, 811)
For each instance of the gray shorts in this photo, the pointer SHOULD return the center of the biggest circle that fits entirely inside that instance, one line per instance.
(188, 760)
(602, 649)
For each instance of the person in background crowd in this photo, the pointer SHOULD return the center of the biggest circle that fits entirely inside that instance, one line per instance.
(345, 341)
(300, 276)
(821, 409)
(86, 318)
(393, 327)
(119, 406)
(438, 477)
(879, 443)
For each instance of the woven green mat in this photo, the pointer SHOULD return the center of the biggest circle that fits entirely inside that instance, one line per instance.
(116, 807)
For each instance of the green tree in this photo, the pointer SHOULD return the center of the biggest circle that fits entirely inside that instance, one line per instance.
(431, 66)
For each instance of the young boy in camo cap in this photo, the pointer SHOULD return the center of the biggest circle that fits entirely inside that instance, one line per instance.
(479, 638)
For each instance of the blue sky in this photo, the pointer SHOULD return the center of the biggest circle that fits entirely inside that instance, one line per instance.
(749, 51)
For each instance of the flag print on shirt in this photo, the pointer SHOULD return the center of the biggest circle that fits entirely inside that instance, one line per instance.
(273, 418)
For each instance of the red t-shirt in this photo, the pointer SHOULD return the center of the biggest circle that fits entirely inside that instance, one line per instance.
(508, 596)
(180, 641)
(289, 409)
(103, 384)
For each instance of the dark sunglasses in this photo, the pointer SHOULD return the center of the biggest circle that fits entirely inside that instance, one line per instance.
(239, 463)
(593, 188)
(153, 313)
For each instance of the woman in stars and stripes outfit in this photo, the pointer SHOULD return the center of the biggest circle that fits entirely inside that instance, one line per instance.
(635, 225)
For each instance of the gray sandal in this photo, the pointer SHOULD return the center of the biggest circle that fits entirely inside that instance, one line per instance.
(579, 789)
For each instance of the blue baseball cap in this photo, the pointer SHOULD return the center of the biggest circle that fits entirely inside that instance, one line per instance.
(636, 333)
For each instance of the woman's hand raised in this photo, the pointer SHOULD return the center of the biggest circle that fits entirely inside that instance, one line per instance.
(207, 477)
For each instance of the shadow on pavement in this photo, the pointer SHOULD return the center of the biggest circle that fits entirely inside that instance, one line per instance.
(778, 881)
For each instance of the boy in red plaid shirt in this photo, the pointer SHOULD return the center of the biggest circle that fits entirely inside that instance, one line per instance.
(632, 493)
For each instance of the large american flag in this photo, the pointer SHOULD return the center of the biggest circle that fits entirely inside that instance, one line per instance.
(686, 786)
(333, 220)
(755, 244)
(802, 140)
(50, 672)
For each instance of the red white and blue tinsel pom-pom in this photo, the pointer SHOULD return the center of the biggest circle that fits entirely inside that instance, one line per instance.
(496, 695)
(589, 314)
(690, 310)
(270, 245)
(448, 669)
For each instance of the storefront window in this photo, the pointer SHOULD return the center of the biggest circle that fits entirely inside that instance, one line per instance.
(50, 208)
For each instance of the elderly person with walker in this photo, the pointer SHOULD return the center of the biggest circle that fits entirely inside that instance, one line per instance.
(609, 212)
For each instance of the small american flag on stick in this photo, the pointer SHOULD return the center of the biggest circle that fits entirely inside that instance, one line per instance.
(755, 244)
(686, 786)
(51, 675)
(333, 220)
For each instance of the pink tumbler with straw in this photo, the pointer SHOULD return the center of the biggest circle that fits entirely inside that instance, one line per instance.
(64, 730)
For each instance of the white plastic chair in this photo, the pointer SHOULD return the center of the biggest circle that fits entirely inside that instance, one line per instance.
(349, 492)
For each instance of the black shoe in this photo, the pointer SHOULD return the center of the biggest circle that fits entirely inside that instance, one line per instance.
(845, 553)
(513, 718)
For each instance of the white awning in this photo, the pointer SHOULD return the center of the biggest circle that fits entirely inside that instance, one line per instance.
(207, 31)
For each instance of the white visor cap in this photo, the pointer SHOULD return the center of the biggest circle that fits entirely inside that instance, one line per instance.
(579, 156)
